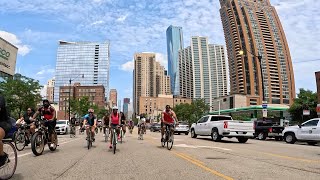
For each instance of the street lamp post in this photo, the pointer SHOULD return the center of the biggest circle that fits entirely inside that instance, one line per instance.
(241, 52)
(70, 80)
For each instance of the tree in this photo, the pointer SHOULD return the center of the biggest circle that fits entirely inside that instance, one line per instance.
(80, 106)
(200, 108)
(306, 100)
(20, 93)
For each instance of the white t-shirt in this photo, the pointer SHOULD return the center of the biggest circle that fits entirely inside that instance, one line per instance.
(142, 120)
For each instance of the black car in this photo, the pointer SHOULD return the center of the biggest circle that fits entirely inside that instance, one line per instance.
(264, 129)
(155, 127)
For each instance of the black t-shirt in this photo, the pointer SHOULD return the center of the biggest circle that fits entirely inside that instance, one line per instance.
(26, 117)
(73, 121)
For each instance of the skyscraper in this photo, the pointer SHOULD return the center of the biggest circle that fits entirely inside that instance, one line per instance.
(74, 59)
(254, 27)
(50, 89)
(149, 78)
(126, 103)
(113, 97)
(202, 70)
(174, 44)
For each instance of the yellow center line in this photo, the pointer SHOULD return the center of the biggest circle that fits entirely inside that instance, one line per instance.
(194, 161)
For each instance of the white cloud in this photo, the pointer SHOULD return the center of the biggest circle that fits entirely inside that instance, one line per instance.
(13, 39)
(43, 91)
(128, 66)
(97, 22)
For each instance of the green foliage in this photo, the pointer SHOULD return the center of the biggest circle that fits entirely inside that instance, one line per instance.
(306, 100)
(191, 112)
(20, 93)
(80, 107)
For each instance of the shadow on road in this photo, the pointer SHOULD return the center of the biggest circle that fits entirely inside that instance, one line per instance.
(223, 141)
(17, 176)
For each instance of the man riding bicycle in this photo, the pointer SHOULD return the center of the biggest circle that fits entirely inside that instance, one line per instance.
(90, 120)
(49, 114)
(105, 122)
(123, 123)
(5, 127)
(73, 124)
(114, 123)
(142, 125)
(168, 118)
(27, 119)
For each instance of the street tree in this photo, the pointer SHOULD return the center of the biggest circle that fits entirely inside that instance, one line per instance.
(20, 92)
(306, 100)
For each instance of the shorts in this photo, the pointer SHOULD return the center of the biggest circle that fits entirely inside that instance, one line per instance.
(114, 126)
(51, 125)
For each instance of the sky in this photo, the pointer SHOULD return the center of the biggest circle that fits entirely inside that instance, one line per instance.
(35, 26)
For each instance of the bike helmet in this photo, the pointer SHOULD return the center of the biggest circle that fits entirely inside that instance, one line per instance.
(114, 108)
(90, 110)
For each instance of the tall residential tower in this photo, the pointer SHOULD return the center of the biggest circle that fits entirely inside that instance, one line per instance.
(254, 27)
(174, 44)
(86, 63)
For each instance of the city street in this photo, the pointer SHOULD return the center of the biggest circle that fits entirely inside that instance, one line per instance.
(190, 158)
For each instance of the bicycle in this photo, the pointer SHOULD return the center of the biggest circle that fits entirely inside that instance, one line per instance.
(169, 137)
(106, 135)
(96, 130)
(121, 133)
(89, 136)
(141, 132)
(8, 170)
(21, 137)
(114, 140)
(72, 131)
(42, 137)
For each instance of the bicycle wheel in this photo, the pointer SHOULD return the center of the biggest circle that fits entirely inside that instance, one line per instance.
(54, 142)
(8, 170)
(106, 136)
(121, 134)
(114, 143)
(20, 141)
(89, 140)
(170, 142)
(37, 143)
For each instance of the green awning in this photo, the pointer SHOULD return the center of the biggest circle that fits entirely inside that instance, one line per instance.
(250, 108)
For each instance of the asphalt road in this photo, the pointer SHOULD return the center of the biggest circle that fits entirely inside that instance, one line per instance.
(189, 159)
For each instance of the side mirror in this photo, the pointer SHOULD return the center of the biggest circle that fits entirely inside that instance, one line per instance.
(299, 125)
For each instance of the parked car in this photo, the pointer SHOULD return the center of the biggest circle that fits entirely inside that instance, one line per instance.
(308, 131)
(62, 127)
(155, 127)
(183, 127)
(219, 126)
(264, 129)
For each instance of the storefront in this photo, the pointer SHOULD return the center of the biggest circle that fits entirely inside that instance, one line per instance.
(8, 58)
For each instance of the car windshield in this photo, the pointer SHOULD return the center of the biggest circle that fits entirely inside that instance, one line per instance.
(61, 122)
(183, 123)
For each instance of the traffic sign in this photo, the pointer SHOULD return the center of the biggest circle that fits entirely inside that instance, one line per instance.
(306, 112)
(264, 106)
(264, 113)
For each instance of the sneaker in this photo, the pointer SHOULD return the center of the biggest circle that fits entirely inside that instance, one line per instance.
(110, 146)
(93, 139)
(4, 160)
(52, 145)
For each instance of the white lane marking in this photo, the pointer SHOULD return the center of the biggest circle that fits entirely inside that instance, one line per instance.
(21, 155)
(194, 147)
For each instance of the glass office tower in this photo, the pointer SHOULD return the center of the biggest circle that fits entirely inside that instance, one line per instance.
(90, 59)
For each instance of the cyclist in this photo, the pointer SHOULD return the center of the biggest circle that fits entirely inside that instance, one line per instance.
(114, 123)
(27, 118)
(49, 114)
(91, 120)
(73, 123)
(131, 125)
(142, 125)
(5, 127)
(105, 122)
(123, 123)
(168, 118)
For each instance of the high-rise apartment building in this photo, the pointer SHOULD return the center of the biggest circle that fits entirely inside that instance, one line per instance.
(126, 103)
(202, 70)
(318, 84)
(253, 26)
(83, 62)
(150, 78)
(113, 97)
(50, 90)
(174, 44)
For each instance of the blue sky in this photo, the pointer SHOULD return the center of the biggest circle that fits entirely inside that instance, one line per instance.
(35, 26)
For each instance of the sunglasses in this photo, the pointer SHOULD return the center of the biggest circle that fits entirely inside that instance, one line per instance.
(29, 110)
(90, 112)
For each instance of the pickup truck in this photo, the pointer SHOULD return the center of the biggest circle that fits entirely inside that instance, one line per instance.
(308, 131)
(219, 126)
(264, 129)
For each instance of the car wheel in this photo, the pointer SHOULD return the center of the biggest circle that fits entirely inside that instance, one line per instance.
(215, 135)
(262, 136)
(290, 138)
(193, 134)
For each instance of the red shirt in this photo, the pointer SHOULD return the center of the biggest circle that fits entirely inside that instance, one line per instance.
(47, 112)
(168, 117)
(115, 118)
